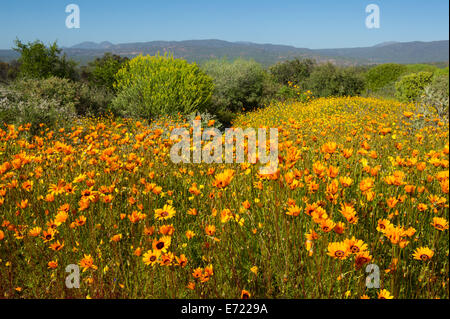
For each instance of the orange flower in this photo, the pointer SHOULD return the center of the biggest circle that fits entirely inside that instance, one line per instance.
(116, 238)
(53, 264)
(440, 223)
(210, 230)
(27, 185)
(57, 246)
(245, 294)
(329, 147)
(223, 179)
(190, 234)
(87, 263)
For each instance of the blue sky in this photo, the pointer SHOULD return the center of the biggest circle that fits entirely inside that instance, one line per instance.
(311, 24)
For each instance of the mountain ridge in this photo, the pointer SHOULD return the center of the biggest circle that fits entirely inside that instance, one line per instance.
(201, 50)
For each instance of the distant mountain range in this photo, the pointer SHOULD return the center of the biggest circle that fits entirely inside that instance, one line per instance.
(267, 54)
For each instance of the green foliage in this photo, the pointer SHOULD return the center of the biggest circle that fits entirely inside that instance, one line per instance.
(416, 68)
(436, 95)
(440, 72)
(294, 71)
(8, 71)
(38, 61)
(383, 75)
(238, 85)
(293, 92)
(152, 86)
(410, 87)
(102, 71)
(62, 91)
(49, 101)
(329, 80)
(93, 100)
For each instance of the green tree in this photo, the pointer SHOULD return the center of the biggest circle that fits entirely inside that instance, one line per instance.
(293, 71)
(38, 61)
(382, 75)
(151, 86)
(329, 80)
(103, 70)
(238, 85)
(410, 87)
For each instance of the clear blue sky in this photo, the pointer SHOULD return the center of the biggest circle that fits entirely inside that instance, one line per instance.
(312, 24)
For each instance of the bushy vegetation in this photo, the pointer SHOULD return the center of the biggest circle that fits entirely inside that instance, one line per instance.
(238, 85)
(410, 87)
(45, 101)
(102, 71)
(153, 86)
(38, 61)
(329, 80)
(436, 95)
(382, 75)
(8, 71)
(292, 71)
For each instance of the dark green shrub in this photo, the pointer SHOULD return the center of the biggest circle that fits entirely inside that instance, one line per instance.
(293, 71)
(38, 61)
(8, 71)
(93, 100)
(238, 85)
(102, 71)
(152, 86)
(329, 80)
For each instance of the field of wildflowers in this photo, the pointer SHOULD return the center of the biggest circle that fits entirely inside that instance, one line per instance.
(360, 181)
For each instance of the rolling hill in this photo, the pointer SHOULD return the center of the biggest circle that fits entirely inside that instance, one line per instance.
(267, 54)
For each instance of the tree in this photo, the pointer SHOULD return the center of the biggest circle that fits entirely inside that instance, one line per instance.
(384, 74)
(294, 71)
(103, 70)
(38, 61)
(329, 80)
(238, 84)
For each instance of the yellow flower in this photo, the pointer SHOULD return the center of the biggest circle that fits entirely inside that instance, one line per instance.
(423, 253)
(166, 212)
(338, 250)
(150, 258)
(384, 294)
(440, 223)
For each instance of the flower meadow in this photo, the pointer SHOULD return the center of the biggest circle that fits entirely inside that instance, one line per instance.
(360, 181)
